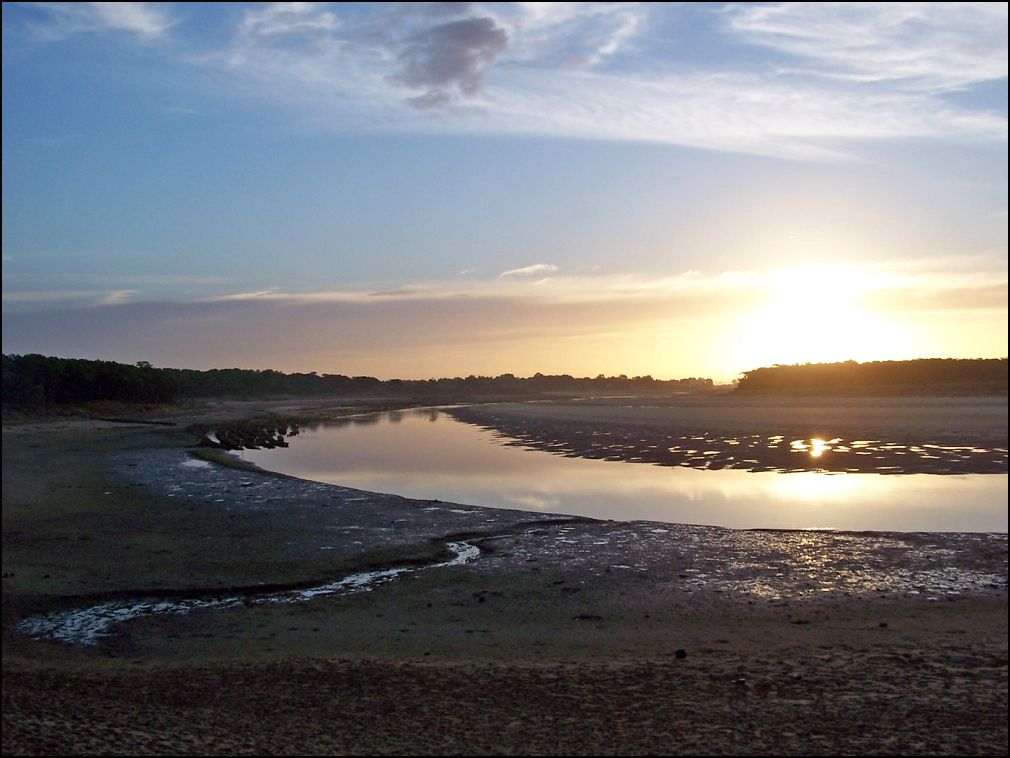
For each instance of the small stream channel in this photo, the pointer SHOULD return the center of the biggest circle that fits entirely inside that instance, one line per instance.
(87, 626)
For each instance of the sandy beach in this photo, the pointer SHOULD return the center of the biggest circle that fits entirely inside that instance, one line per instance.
(563, 635)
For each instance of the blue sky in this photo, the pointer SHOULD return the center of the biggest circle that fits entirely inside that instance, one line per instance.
(431, 189)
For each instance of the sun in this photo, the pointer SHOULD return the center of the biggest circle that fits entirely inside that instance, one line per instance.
(815, 314)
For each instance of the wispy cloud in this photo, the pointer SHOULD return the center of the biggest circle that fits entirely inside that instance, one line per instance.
(537, 269)
(65, 298)
(734, 112)
(117, 297)
(837, 74)
(38, 291)
(568, 34)
(917, 281)
(855, 72)
(58, 21)
(268, 294)
(933, 47)
(288, 24)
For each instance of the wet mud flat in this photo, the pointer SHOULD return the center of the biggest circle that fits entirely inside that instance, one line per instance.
(550, 634)
(278, 537)
(334, 534)
(840, 435)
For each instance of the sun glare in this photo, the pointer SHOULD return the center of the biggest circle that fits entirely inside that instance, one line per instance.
(815, 447)
(814, 314)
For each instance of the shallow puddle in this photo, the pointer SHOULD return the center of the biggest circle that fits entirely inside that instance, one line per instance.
(430, 454)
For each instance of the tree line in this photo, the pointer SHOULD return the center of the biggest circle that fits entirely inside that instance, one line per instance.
(924, 376)
(37, 382)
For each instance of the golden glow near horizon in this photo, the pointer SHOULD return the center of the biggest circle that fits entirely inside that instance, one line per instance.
(714, 325)
(814, 314)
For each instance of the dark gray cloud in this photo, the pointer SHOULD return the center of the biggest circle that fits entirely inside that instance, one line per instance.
(449, 58)
(431, 100)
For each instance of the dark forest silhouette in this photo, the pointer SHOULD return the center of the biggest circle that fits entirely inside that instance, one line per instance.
(947, 376)
(38, 383)
(35, 382)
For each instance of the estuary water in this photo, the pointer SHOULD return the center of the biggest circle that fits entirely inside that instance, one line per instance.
(428, 454)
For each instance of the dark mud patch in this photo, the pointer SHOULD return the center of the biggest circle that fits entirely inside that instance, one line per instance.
(779, 450)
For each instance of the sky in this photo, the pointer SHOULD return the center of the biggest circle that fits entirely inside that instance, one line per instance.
(443, 189)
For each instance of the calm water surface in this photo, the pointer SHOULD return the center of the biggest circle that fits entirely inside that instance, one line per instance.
(428, 454)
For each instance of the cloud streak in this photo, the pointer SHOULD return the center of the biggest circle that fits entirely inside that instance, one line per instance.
(929, 47)
(857, 73)
(537, 269)
(837, 75)
(423, 334)
(886, 286)
(578, 324)
(58, 21)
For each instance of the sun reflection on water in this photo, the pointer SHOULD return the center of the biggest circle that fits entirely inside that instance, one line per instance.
(815, 447)
(814, 486)
(592, 476)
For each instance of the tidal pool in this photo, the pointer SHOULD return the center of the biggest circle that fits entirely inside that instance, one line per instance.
(428, 454)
